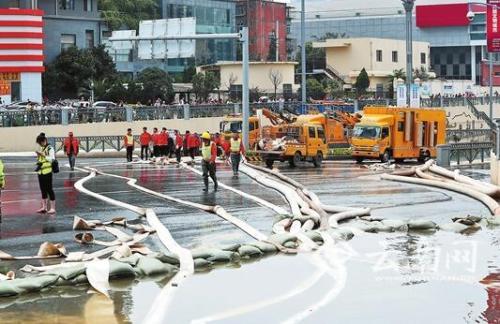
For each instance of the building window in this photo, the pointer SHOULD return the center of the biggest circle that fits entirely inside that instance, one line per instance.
(461, 58)
(87, 5)
(379, 55)
(423, 59)
(449, 58)
(67, 41)
(395, 56)
(456, 70)
(89, 38)
(67, 4)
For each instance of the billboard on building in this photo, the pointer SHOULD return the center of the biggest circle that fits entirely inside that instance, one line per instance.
(164, 49)
(493, 33)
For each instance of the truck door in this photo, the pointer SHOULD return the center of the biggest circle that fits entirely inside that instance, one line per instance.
(322, 143)
(312, 141)
(385, 140)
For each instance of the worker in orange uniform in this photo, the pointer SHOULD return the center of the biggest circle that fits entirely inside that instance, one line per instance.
(178, 146)
(208, 154)
(236, 151)
(155, 137)
(71, 148)
(128, 142)
(163, 142)
(192, 143)
(145, 139)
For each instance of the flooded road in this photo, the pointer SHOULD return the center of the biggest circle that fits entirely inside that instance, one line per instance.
(378, 278)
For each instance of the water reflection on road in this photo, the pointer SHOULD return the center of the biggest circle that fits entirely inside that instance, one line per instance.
(391, 277)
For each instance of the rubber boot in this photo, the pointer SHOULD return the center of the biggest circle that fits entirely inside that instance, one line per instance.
(52, 209)
(206, 185)
(43, 208)
(216, 186)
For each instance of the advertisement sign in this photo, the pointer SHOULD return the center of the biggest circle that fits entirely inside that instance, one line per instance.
(401, 95)
(415, 96)
(493, 33)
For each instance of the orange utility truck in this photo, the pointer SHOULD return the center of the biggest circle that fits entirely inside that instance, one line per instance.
(399, 133)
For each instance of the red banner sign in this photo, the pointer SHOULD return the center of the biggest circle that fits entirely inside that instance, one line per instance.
(492, 25)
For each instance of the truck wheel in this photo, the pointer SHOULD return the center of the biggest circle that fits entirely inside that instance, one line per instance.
(295, 159)
(318, 160)
(424, 157)
(385, 157)
(269, 163)
(359, 160)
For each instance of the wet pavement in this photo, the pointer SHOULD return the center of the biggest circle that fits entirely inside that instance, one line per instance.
(381, 278)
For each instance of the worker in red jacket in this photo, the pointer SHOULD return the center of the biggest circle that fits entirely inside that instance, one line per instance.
(208, 154)
(155, 137)
(163, 142)
(71, 148)
(192, 144)
(179, 141)
(128, 142)
(145, 139)
(185, 146)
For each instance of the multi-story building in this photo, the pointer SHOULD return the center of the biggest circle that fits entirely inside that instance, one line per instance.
(457, 45)
(345, 58)
(268, 25)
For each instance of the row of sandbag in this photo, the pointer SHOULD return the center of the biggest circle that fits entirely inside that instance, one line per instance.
(137, 266)
(466, 224)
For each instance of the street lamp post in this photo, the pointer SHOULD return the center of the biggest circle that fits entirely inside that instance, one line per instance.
(408, 5)
(303, 51)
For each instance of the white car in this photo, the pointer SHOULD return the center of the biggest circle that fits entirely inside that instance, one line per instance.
(22, 105)
(104, 104)
(81, 104)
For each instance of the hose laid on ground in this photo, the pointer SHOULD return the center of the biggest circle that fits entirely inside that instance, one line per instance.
(489, 202)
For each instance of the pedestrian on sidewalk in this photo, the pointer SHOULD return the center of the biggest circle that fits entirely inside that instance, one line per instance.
(128, 142)
(145, 140)
(45, 156)
(178, 146)
(237, 150)
(155, 137)
(71, 148)
(208, 153)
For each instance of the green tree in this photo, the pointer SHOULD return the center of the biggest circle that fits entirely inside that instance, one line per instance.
(74, 70)
(421, 74)
(204, 84)
(362, 81)
(333, 88)
(156, 83)
(128, 13)
(315, 89)
(396, 74)
(189, 73)
(315, 58)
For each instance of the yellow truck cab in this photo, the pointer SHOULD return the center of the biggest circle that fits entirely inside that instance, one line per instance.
(233, 124)
(299, 141)
(399, 133)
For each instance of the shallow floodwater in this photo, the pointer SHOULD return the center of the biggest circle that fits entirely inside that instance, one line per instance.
(377, 278)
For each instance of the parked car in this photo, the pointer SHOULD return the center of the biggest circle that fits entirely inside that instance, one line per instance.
(81, 104)
(22, 105)
(104, 104)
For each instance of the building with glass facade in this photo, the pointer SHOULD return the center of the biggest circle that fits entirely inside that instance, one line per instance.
(458, 46)
(212, 16)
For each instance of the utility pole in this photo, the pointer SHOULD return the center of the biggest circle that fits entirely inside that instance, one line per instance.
(408, 5)
(303, 50)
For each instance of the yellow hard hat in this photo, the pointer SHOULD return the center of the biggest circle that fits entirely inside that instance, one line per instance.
(206, 135)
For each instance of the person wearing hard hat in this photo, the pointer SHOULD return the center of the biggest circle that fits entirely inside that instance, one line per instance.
(208, 154)
(237, 150)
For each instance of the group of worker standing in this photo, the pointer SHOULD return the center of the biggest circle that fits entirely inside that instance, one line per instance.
(165, 145)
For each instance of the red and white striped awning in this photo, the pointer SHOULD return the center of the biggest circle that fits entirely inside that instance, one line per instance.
(21, 40)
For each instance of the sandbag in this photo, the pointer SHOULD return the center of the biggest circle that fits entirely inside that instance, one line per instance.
(453, 227)
(69, 273)
(283, 238)
(132, 260)
(120, 269)
(168, 257)
(232, 247)
(314, 236)
(249, 251)
(25, 285)
(290, 244)
(421, 224)
(202, 253)
(224, 256)
(396, 224)
(265, 247)
(494, 220)
(150, 267)
(341, 233)
(9, 288)
(201, 263)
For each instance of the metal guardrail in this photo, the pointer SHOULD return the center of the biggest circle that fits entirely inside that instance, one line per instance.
(470, 151)
(94, 143)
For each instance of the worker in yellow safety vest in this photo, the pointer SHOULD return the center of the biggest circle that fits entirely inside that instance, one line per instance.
(208, 154)
(128, 142)
(2, 185)
(236, 151)
(45, 160)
